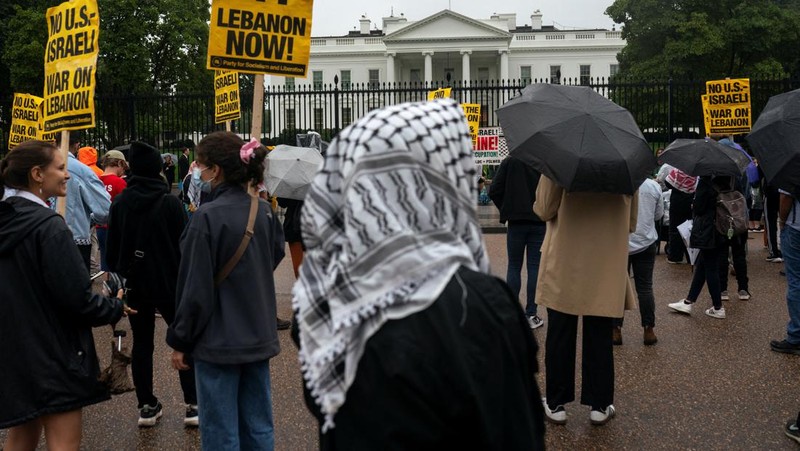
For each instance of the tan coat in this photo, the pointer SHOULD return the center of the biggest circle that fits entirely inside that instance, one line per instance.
(584, 263)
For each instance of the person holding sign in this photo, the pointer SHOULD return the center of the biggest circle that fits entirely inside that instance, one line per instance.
(50, 369)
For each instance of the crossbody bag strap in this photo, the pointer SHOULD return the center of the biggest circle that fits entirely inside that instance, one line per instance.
(248, 234)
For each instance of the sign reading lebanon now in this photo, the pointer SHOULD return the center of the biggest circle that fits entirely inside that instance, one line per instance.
(260, 36)
(226, 96)
(726, 106)
(70, 60)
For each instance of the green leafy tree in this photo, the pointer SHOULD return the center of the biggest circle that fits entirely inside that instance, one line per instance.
(708, 40)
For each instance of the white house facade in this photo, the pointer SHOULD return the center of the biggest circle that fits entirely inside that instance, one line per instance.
(467, 49)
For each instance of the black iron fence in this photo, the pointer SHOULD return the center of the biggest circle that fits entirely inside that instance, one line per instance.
(664, 110)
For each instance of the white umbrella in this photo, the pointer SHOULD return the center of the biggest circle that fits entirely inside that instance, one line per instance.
(289, 170)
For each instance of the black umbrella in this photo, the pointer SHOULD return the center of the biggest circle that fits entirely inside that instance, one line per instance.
(705, 156)
(578, 138)
(775, 140)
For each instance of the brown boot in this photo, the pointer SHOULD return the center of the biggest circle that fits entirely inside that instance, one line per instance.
(616, 336)
(649, 336)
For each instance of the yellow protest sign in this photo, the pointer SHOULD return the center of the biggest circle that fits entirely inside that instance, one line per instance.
(260, 36)
(226, 96)
(70, 61)
(25, 115)
(473, 113)
(728, 106)
(706, 114)
(443, 93)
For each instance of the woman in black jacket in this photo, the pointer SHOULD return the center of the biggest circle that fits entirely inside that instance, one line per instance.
(710, 242)
(50, 369)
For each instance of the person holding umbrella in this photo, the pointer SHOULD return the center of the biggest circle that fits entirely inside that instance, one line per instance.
(716, 165)
(50, 369)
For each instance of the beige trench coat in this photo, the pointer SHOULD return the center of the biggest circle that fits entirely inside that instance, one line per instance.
(583, 270)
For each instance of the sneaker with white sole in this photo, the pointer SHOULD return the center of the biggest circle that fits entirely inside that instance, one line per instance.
(555, 416)
(716, 313)
(682, 306)
(725, 296)
(535, 322)
(601, 417)
(149, 415)
(792, 431)
(744, 295)
(192, 418)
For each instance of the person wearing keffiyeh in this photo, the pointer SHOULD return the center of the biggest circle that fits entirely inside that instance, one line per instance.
(405, 340)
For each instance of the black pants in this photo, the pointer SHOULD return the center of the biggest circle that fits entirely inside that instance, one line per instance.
(680, 210)
(738, 251)
(706, 271)
(642, 264)
(143, 326)
(771, 201)
(86, 254)
(597, 361)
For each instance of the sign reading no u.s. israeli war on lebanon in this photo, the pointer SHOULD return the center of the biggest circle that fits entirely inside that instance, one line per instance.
(487, 151)
(260, 36)
(25, 114)
(226, 96)
(70, 61)
(727, 106)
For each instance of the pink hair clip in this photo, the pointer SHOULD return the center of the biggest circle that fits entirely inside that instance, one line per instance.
(247, 150)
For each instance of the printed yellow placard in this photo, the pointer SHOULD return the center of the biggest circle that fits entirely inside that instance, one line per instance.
(25, 116)
(706, 115)
(260, 36)
(473, 113)
(728, 106)
(226, 96)
(70, 63)
(443, 93)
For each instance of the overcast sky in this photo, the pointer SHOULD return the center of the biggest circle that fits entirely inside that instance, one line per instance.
(337, 17)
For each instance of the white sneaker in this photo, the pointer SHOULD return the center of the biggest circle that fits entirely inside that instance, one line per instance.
(714, 313)
(682, 306)
(744, 295)
(725, 296)
(555, 416)
(535, 322)
(601, 417)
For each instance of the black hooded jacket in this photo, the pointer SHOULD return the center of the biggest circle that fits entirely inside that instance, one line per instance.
(49, 364)
(513, 190)
(146, 207)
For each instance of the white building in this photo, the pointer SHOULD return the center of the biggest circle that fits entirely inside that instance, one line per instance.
(468, 49)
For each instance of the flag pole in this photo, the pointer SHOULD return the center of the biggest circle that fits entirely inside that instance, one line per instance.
(258, 107)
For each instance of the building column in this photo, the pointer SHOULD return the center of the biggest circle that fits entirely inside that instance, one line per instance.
(428, 66)
(390, 67)
(465, 71)
(503, 64)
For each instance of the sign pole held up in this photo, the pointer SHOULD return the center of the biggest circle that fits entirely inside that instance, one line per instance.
(227, 126)
(61, 205)
(258, 107)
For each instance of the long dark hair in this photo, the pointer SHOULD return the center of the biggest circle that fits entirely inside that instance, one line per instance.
(16, 167)
(222, 149)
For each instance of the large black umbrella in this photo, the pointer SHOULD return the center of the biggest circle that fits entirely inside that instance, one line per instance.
(775, 140)
(578, 138)
(705, 156)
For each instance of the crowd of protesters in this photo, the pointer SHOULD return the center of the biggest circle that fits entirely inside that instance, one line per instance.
(393, 302)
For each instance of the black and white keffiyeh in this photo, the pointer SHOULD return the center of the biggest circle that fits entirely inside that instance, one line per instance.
(386, 223)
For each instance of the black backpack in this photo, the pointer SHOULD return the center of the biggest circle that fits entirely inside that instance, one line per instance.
(731, 218)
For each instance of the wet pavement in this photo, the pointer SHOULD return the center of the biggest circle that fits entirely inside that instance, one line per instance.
(707, 384)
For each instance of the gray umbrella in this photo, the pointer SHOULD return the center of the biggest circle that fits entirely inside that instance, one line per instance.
(775, 141)
(289, 170)
(705, 157)
(578, 138)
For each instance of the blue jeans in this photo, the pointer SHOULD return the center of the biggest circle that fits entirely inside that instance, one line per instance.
(235, 406)
(102, 233)
(790, 245)
(522, 236)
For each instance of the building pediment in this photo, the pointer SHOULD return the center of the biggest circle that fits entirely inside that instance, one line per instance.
(446, 25)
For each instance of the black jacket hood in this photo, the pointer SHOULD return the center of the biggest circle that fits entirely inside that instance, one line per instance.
(18, 218)
(143, 192)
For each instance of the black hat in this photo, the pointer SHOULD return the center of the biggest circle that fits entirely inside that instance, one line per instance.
(144, 160)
